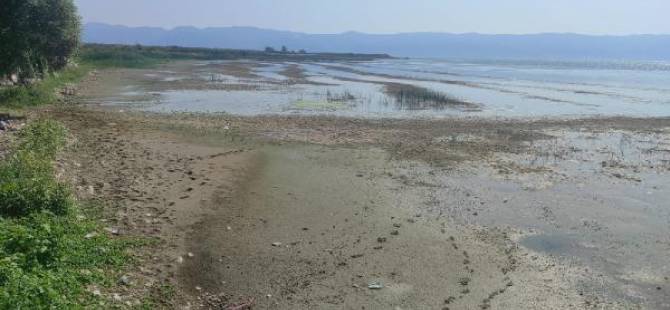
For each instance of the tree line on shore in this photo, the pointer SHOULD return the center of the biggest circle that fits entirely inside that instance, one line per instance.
(38, 37)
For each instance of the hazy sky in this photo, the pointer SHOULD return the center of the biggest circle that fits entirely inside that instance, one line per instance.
(389, 16)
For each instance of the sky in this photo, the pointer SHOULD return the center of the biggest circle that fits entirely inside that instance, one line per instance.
(616, 17)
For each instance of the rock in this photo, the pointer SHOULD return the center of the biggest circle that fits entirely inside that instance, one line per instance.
(4, 125)
(90, 190)
(91, 235)
(96, 292)
(113, 231)
(395, 233)
(180, 260)
(190, 255)
(381, 239)
(125, 280)
(68, 90)
(277, 244)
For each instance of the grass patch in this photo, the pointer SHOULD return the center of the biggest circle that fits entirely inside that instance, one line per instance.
(122, 56)
(46, 259)
(43, 92)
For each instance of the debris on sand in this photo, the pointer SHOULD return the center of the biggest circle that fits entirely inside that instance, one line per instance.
(375, 286)
(113, 230)
(242, 306)
(91, 235)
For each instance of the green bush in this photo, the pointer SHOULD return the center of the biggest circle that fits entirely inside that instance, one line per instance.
(48, 254)
(42, 92)
(44, 137)
(27, 182)
(47, 262)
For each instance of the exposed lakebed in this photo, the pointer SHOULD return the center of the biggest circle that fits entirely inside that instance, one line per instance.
(401, 88)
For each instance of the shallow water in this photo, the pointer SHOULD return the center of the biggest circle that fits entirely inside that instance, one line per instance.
(500, 89)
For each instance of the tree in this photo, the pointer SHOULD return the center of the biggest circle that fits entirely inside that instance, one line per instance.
(37, 36)
(284, 49)
(270, 49)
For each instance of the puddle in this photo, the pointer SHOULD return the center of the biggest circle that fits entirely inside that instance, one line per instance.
(557, 245)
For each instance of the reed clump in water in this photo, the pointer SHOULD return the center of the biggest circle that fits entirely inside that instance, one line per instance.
(411, 97)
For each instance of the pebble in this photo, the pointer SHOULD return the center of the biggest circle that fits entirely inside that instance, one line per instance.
(125, 280)
(91, 235)
(276, 244)
(113, 231)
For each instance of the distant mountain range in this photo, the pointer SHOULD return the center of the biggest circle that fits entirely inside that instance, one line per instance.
(428, 45)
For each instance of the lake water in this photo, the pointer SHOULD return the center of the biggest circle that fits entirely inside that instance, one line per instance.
(507, 89)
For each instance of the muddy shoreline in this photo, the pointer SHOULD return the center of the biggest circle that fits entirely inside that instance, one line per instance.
(307, 212)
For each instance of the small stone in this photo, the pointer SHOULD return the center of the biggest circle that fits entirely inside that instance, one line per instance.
(381, 239)
(91, 235)
(190, 255)
(395, 233)
(276, 244)
(113, 231)
(124, 280)
(180, 260)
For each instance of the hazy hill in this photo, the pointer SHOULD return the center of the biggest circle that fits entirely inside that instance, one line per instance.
(561, 46)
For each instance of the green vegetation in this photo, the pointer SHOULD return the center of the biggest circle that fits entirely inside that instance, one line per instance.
(138, 55)
(125, 56)
(38, 36)
(49, 251)
(46, 91)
